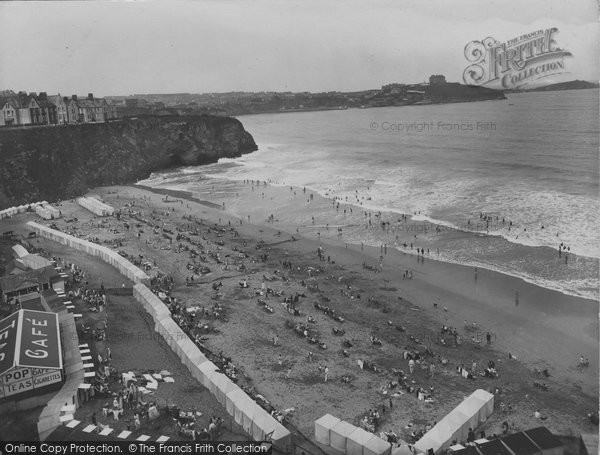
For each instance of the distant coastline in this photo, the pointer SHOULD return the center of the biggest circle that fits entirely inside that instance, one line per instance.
(571, 85)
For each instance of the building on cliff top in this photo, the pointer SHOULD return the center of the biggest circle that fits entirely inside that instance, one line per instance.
(33, 109)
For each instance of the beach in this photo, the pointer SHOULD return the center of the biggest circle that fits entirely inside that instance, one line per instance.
(542, 329)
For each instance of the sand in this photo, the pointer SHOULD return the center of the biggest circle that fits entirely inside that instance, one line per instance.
(545, 330)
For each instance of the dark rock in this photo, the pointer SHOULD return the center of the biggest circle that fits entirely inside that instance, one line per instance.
(61, 162)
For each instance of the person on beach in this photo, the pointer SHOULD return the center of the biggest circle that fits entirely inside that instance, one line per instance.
(411, 366)
(326, 374)
(471, 435)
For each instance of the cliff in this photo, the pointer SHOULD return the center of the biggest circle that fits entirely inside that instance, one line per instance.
(59, 162)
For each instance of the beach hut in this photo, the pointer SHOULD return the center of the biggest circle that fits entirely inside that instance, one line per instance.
(588, 443)
(323, 426)
(437, 437)
(247, 410)
(262, 421)
(487, 402)
(231, 398)
(280, 436)
(377, 446)
(338, 435)
(546, 441)
(468, 414)
(520, 444)
(357, 440)
(242, 407)
(204, 370)
(461, 419)
(223, 385)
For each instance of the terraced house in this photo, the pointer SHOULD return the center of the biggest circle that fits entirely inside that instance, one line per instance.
(33, 109)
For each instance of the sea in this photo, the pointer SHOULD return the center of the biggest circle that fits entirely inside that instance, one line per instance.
(495, 184)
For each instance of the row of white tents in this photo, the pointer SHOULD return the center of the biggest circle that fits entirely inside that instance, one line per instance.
(95, 206)
(347, 438)
(47, 212)
(257, 422)
(11, 211)
(472, 412)
(106, 254)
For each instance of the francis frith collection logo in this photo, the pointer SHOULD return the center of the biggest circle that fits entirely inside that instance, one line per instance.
(518, 62)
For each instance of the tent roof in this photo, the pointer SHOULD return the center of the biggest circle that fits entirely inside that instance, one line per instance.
(361, 436)
(236, 394)
(19, 251)
(226, 385)
(521, 444)
(494, 447)
(327, 421)
(30, 331)
(543, 438)
(469, 450)
(483, 394)
(437, 436)
(377, 445)
(343, 428)
(28, 279)
(590, 442)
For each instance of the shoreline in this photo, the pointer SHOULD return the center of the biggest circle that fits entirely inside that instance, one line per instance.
(564, 315)
(539, 256)
(187, 195)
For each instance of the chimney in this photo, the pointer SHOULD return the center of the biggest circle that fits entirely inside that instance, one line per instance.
(90, 96)
(74, 97)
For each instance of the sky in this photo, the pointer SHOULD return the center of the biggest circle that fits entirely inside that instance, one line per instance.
(122, 48)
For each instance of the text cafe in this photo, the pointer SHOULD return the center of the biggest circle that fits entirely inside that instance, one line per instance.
(30, 354)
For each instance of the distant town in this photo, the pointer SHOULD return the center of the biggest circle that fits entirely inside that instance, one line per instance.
(33, 109)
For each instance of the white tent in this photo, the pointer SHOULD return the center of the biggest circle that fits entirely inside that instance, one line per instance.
(338, 435)
(357, 440)
(261, 423)
(435, 438)
(456, 424)
(323, 426)
(487, 400)
(242, 407)
(233, 397)
(222, 385)
(461, 418)
(202, 371)
(377, 446)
